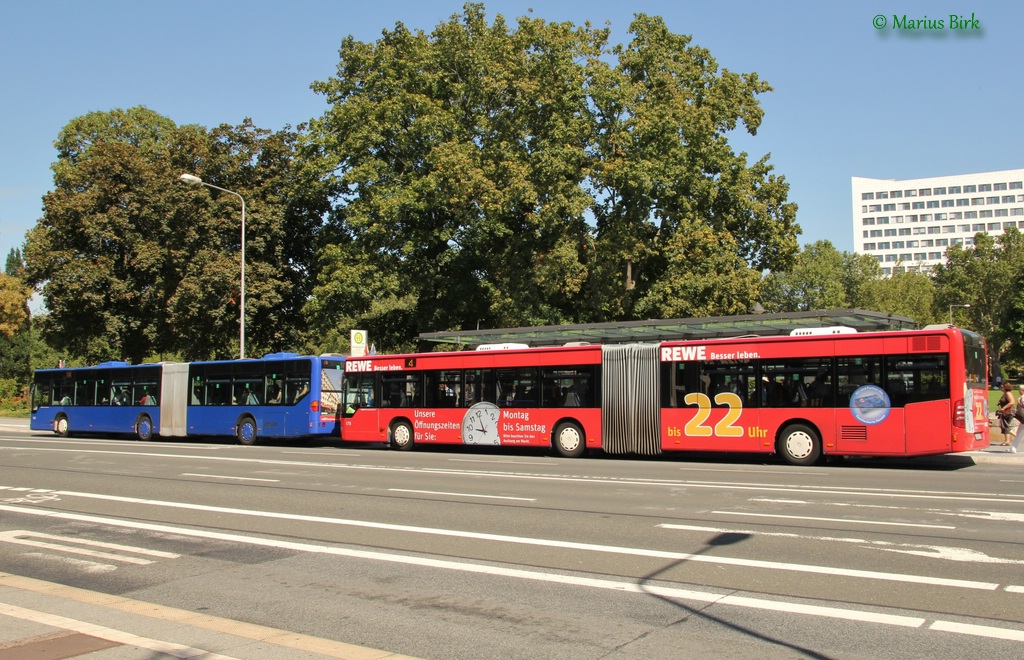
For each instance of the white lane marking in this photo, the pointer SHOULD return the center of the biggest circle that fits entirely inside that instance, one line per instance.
(632, 587)
(573, 580)
(550, 543)
(1015, 589)
(437, 492)
(71, 545)
(493, 462)
(83, 565)
(1004, 498)
(978, 631)
(790, 473)
(319, 453)
(932, 551)
(222, 476)
(838, 520)
(109, 634)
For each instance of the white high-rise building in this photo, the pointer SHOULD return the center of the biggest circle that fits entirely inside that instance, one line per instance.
(908, 224)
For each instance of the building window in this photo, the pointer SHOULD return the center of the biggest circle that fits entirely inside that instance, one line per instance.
(954, 190)
(939, 191)
(906, 256)
(985, 187)
(979, 226)
(904, 206)
(898, 193)
(882, 195)
(910, 193)
(928, 243)
(963, 201)
(926, 217)
(993, 226)
(1016, 211)
(963, 228)
(888, 207)
(898, 219)
(934, 229)
(864, 196)
(957, 241)
(920, 256)
(890, 257)
(912, 218)
(977, 201)
(991, 200)
(890, 232)
(867, 221)
(911, 244)
(941, 242)
(883, 219)
(865, 234)
(875, 208)
(884, 245)
(876, 233)
(897, 245)
(956, 215)
(1016, 185)
(1002, 213)
(933, 203)
(917, 231)
(869, 246)
(924, 192)
(947, 203)
(948, 229)
(940, 216)
(999, 186)
(968, 241)
(887, 271)
(987, 214)
(970, 189)
(1008, 199)
(1009, 225)
(917, 205)
(934, 255)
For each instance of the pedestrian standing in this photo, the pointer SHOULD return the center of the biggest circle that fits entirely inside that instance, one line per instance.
(1004, 411)
(1020, 426)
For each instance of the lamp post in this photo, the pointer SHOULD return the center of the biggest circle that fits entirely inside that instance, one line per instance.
(951, 311)
(191, 179)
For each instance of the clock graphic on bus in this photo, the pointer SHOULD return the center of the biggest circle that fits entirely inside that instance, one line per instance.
(480, 424)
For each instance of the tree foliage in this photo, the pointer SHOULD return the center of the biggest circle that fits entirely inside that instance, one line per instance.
(984, 276)
(516, 175)
(133, 264)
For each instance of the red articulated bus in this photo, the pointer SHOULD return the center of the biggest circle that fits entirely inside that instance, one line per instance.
(826, 391)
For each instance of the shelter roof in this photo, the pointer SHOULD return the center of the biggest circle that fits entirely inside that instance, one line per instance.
(676, 329)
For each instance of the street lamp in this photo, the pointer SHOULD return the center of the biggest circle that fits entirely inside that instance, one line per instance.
(191, 179)
(951, 311)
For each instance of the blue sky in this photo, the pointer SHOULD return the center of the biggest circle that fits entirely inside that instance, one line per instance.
(849, 99)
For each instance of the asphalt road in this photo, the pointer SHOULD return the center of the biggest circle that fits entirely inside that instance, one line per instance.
(357, 551)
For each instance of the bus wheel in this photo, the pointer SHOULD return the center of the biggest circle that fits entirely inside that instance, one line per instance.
(144, 428)
(246, 431)
(800, 445)
(60, 426)
(401, 436)
(569, 441)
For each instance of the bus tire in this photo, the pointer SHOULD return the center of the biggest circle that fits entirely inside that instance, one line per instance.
(401, 436)
(569, 440)
(144, 428)
(799, 444)
(245, 431)
(61, 428)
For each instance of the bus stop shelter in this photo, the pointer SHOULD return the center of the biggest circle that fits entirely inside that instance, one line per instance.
(716, 327)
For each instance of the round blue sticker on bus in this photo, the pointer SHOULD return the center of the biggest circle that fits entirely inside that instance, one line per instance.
(870, 404)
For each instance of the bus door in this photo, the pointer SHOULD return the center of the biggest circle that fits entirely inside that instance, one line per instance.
(360, 414)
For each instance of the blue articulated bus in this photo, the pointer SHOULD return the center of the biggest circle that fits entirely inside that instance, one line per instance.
(282, 395)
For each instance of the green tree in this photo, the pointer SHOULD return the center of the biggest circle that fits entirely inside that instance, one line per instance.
(906, 294)
(514, 176)
(821, 278)
(662, 164)
(133, 264)
(13, 305)
(15, 264)
(983, 276)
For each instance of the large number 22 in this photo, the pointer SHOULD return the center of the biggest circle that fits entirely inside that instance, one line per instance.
(724, 428)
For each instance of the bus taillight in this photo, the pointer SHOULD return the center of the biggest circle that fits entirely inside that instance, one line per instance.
(314, 406)
(959, 414)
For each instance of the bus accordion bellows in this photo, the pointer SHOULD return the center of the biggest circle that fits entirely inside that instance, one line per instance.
(823, 393)
(282, 395)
